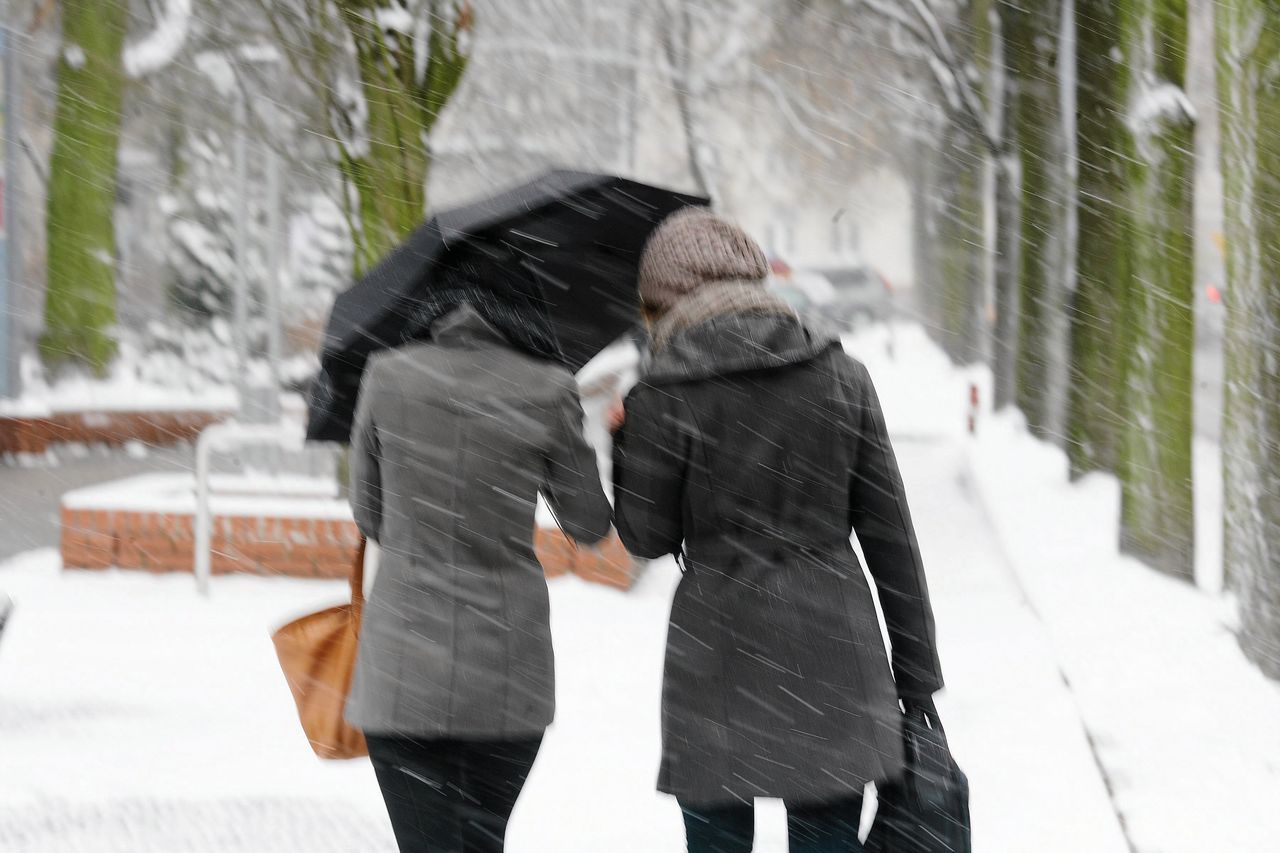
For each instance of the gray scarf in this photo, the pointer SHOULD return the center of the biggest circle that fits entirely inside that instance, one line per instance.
(716, 300)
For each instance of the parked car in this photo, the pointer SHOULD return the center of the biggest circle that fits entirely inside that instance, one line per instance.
(861, 294)
(809, 293)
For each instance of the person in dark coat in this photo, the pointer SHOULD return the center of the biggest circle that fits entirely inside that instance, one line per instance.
(751, 448)
(454, 438)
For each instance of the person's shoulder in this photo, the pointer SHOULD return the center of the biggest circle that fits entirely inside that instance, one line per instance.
(848, 368)
(556, 375)
(374, 370)
(530, 381)
(654, 399)
(538, 376)
(384, 363)
(401, 368)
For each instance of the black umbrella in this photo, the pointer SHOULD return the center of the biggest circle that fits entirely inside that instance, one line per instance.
(579, 235)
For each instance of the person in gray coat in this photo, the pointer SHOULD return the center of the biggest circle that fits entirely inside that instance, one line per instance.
(751, 448)
(454, 438)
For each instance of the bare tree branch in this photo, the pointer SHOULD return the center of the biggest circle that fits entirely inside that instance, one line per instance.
(926, 26)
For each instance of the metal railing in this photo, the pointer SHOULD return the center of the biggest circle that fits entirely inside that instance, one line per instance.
(222, 437)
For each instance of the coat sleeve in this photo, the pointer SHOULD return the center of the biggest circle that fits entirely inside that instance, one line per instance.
(364, 463)
(571, 483)
(648, 477)
(880, 517)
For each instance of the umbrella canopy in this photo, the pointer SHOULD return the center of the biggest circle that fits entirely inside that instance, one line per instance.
(578, 235)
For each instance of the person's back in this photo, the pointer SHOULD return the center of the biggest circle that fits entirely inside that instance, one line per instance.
(454, 683)
(753, 447)
(773, 435)
(465, 431)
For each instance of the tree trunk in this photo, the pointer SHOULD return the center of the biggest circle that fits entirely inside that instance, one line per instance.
(80, 300)
(1249, 32)
(387, 166)
(1098, 335)
(677, 43)
(1157, 506)
(1008, 265)
(1035, 122)
(961, 261)
(1063, 284)
(1007, 170)
(958, 245)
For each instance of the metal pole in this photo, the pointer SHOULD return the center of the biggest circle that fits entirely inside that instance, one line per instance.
(201, 520)
(240, 305)
(274, 239)
(222, 437)
(8, 176)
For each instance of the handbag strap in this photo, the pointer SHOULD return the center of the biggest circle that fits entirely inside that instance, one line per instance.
(357, 579)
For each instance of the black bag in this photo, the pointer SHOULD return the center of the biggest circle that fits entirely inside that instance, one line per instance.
(927, 810)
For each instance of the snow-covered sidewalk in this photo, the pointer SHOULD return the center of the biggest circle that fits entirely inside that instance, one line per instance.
(136, 716)
(1182, 728)
(1187, 730)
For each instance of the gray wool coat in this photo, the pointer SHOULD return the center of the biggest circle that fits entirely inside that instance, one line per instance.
(453, 441)
(756, 447)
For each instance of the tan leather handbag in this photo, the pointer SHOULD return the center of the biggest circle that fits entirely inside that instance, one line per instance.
(318, 655)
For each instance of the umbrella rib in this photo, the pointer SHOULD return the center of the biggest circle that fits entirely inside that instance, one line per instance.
(535, 239)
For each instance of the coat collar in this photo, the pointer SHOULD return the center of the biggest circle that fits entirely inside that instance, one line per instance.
(737, 343)
(465, 327)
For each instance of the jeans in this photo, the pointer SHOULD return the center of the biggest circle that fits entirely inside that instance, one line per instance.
(819, 828)
(451, 796)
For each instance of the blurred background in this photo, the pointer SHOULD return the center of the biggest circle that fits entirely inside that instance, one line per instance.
(1051, 230)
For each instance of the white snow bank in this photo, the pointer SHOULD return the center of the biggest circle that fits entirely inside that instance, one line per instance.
(122, 391)
(171, 707)
(1184, 725)
(160, 46)
(276, 496)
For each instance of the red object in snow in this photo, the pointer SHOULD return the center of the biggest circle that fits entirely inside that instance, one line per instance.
(779, 267)
(973, 408)
(1214, 294)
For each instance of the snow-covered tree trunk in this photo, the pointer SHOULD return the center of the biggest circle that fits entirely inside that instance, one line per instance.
(1098, 333)
(1157, 507)
(409, 66)
(1249, 33)
(80, 301)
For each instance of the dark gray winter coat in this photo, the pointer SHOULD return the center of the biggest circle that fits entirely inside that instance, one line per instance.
(453, 440)
(758, 446)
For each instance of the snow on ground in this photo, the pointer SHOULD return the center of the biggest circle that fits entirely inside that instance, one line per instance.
(1184, 725)
(136, 716)
(278, 495)
(1012, 721)
(123, 391)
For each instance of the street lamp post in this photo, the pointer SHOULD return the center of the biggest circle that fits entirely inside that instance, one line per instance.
(8, 178)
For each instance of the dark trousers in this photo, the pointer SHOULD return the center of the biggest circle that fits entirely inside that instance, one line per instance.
(822, 828)
(451, 796)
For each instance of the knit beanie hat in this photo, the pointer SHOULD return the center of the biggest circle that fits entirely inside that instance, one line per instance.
(692, 248)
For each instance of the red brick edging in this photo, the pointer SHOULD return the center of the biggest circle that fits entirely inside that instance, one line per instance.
(162, 542)
(38, 434)
(295, 547)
